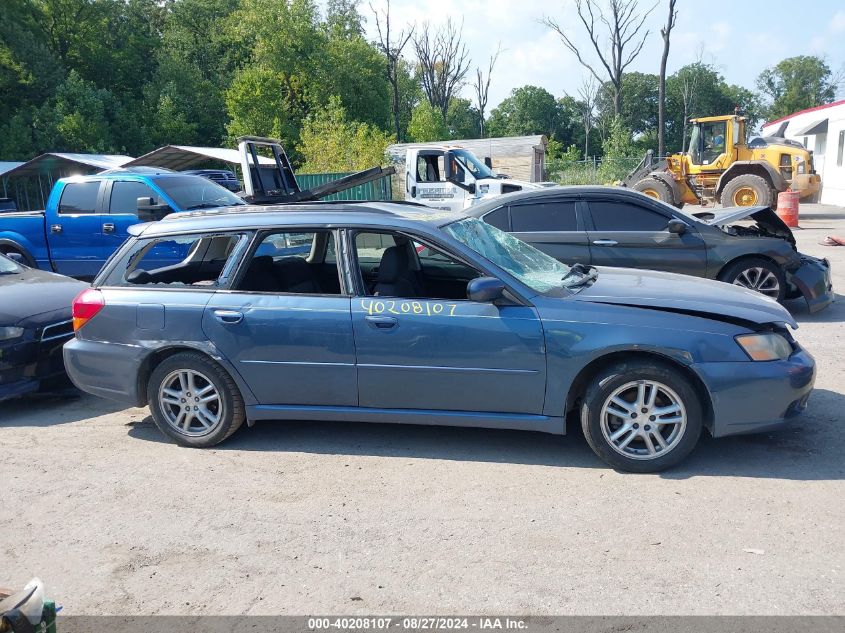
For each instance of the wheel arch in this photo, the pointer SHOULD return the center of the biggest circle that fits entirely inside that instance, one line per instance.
(739, 258)
(597, 365)
(753, 168)
(160, 354)
(29, 260)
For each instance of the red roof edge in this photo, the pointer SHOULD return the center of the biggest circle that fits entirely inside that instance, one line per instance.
(789, 116)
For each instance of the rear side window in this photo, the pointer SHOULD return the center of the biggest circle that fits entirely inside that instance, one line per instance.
(548, 216)
(182, 261)
(79, 197)
(621, 216)
(124, 196)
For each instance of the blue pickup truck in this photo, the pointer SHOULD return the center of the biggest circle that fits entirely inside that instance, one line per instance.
(87, 217)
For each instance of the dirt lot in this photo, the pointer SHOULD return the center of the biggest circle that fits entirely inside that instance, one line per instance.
(355, 518)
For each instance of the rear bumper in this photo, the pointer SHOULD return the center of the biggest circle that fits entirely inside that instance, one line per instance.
(27, 366)
(813, 280)
(750, 397)
(108, 370)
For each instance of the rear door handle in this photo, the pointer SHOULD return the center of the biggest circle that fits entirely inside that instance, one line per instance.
(229, 316)
(381, 322)
(605, 242)
(55, 228)
(108, 227)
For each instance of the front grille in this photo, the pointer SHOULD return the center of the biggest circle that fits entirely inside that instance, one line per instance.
(57, 330)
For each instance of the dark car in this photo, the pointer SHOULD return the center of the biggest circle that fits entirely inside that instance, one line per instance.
(35, 321)
(7, 205)
(222, 177)
(400, 313)
(611, 226)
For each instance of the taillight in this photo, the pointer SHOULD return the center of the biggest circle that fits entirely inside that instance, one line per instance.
(86, 305)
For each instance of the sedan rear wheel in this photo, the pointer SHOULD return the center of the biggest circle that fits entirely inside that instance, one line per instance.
(194, 401)
(641, 416)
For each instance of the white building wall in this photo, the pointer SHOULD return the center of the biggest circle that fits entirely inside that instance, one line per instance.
(833, 179)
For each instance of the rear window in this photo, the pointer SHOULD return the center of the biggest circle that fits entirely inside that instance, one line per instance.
(79, 197)
(184, 261)
(547, 216)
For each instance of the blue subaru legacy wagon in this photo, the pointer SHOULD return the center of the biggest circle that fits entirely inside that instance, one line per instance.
(387, 312)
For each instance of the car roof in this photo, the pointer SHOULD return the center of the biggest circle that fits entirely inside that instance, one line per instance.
(312, 214)
(552, 192)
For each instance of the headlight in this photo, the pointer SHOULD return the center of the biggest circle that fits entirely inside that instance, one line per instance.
(8, 333)
(769, 346)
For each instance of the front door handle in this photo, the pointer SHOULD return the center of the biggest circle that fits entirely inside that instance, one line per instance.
(108, 227)
(605, 242)
(381, 322)
(229, 316)
(55, 228)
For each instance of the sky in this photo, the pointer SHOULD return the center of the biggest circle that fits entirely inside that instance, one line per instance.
(739, 37)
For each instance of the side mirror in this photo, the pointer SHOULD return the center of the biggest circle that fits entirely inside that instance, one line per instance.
(485, 289)
(149, 211)
(678, 227)
(488, 162)
(15, 257)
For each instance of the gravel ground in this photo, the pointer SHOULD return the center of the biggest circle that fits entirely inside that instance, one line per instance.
(354, 518)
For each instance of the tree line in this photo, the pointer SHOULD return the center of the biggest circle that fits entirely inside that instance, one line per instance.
(127, 76)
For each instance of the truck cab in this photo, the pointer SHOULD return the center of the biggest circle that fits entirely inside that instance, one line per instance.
(453, 178)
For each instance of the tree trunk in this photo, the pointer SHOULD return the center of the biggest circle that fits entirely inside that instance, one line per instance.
(666, 32)
(395, 84)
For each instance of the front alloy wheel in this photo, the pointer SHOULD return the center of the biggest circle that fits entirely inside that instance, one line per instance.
(643, 419)
(641, 415)
(760, 279)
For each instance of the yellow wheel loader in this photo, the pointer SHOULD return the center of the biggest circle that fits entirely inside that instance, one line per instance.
(722, 166)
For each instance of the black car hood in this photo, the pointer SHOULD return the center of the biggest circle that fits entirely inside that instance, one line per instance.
(764, 217)
(682, 293)
(34, 297)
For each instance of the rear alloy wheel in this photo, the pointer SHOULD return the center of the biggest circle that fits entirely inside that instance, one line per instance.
(757, 274)
(654, 188)
(194, 401)
(641, 416)
(747, 190)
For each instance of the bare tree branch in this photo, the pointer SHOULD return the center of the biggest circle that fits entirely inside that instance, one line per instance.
(392, 50)
(443, 60)
(615, 51)
(482, 86)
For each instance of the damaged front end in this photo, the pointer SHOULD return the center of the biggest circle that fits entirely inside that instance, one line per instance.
(807, 276)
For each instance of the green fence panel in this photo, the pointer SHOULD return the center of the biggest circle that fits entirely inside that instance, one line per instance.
(376, 190)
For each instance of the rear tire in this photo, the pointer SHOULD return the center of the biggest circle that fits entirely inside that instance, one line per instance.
(194, 401)
(747, 190)
(654, 188)
(666, 405)
(756, 273)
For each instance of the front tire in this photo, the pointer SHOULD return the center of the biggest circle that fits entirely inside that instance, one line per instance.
(194, 401)
(758, 274)
(747, 190)
(641, 416)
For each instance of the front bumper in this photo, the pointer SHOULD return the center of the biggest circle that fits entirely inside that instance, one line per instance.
(813, 280)
(749, 397)
(29, 365)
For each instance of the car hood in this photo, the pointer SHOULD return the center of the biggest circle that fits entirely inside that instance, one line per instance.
(682, 293)
(35, 297)
(764, 217)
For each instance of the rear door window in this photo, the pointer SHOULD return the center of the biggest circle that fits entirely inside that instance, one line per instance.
(622, 216)
(79, 198)
(178, 261)
(544, 217)
(498, 218)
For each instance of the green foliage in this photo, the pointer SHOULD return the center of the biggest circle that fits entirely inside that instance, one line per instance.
(619, 152)
(528, 110)
(462, 119)
(427, 124)
(331, 143)
(796, 83)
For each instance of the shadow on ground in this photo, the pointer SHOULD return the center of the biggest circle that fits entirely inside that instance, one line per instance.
(833, 313)
(38, 410)
(810, 448)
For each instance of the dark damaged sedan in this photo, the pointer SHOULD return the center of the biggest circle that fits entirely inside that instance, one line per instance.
(610, 226)
(35, 321)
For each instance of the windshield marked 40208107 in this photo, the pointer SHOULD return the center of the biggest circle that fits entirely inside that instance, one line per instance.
(428, 308)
